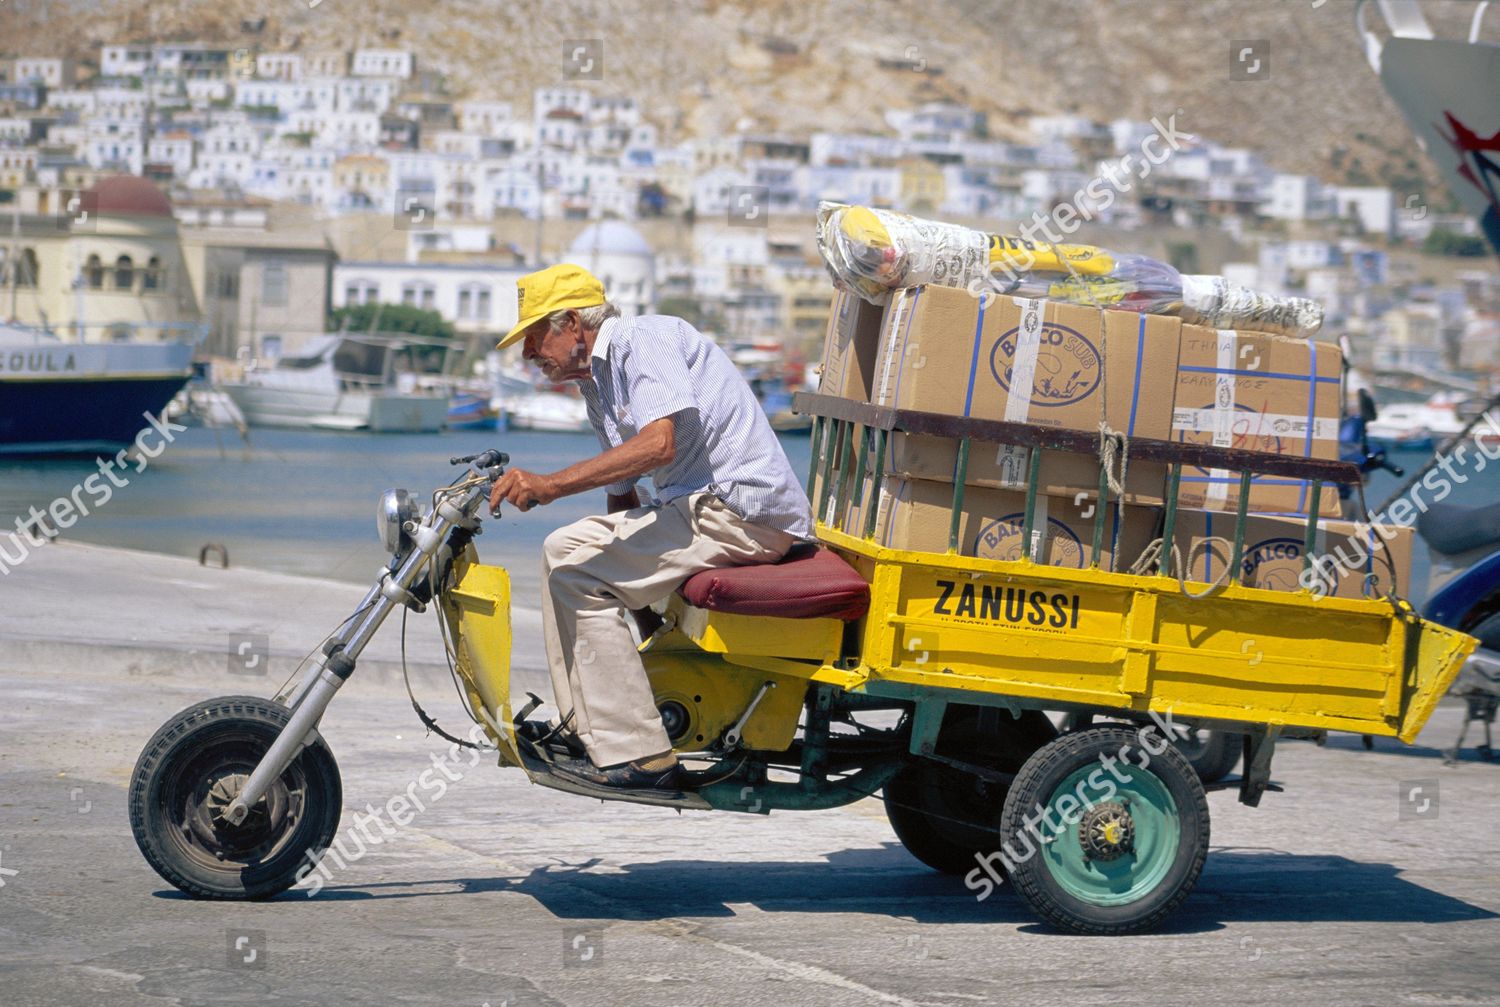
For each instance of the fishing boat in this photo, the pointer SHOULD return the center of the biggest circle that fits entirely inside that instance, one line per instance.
(547, 411)
(1449, 93)
(340, 382)
(1426, 425)
(61, 397)
(469, 410)
(521, 404)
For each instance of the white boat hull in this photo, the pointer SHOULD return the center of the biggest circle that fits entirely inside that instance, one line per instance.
(312, 409)
(550, 412)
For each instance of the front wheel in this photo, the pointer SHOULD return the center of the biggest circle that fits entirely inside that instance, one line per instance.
(187, 776)
(1105, 831)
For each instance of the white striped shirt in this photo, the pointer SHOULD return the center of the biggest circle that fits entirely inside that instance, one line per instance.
(654, 366)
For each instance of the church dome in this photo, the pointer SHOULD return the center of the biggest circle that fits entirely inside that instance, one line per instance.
(130, 195)
(609, 237)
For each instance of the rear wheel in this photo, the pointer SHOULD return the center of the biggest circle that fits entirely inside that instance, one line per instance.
(1212, 754)
(187, 776)
(945, 816)
(1487, 629)
(1103, 834)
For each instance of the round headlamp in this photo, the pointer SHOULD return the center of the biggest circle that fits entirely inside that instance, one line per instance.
(396, 508)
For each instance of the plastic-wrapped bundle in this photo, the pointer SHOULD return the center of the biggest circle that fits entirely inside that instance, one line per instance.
(872, 251)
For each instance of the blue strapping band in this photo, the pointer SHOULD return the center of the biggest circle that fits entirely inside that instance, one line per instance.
(1140, 357)
(974, 360)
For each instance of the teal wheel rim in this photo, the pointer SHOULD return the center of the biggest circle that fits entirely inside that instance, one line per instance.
(1133, 833)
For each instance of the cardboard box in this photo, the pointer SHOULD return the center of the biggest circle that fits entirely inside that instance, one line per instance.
(1343, 553)
(916, 513)
(1041, 362)
(1258, 392)
(849, 347)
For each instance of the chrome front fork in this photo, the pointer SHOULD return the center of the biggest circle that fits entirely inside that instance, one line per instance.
(333, 667)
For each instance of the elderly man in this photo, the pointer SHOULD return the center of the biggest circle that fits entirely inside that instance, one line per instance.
(667, 402)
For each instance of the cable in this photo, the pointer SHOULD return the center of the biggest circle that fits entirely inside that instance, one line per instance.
(336, 630)
(431, 724)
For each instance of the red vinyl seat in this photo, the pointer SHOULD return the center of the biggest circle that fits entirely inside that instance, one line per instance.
(810, 583)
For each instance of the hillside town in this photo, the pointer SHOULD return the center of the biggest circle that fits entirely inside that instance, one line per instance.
(578, 502)
(243, 172)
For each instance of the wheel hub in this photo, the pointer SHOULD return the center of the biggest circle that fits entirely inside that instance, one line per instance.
(208, 823)
(1106, 831)
(221, 795)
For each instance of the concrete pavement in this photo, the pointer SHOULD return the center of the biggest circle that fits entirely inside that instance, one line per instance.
(1335, 892)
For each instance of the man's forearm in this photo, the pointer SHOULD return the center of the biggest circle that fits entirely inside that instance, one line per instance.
(650, 449)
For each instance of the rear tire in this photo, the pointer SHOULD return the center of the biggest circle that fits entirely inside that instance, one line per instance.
(1121, 837)
(1212, 754)
(1487, 629)
(181, 786)
(945, 816)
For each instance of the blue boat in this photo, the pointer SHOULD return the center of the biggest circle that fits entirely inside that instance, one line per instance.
(470, 411)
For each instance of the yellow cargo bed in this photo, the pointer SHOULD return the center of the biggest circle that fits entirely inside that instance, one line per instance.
(1092, 638)
(1138, 643)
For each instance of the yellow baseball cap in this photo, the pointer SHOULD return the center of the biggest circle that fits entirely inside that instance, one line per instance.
(552, 289)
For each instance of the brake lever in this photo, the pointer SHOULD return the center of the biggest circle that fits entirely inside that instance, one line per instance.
(530, 505)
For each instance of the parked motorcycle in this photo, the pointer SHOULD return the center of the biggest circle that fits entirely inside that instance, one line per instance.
(1463, 590)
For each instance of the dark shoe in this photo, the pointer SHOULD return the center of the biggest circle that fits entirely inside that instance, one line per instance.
(540, 734)
(627, 776)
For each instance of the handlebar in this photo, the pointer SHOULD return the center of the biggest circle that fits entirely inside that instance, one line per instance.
(483, 460)
(493, 463)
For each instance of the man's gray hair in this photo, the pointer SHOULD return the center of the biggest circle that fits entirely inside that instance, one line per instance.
(591, 318)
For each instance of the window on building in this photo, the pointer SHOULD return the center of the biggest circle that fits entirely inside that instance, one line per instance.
(351, 294)
(273, 284)
(26, 269)
(483, 312)
(152, 277)
(270, 346)
(124, 273)
(227, 285)
(93, 273)
(465, 299)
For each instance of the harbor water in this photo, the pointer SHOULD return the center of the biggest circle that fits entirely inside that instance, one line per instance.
(303, 502)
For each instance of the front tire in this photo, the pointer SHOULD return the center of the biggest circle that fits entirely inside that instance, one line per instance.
(183, 783)
(1104, 835)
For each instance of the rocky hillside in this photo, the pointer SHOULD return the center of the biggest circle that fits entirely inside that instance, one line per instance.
(706, 66)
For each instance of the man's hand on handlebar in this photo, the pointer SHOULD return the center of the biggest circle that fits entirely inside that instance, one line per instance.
(523, 490)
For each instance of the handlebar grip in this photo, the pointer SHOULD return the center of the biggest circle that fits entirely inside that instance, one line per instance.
(495, 510)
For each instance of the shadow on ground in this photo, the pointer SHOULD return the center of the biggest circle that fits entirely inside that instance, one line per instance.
(1237, 886)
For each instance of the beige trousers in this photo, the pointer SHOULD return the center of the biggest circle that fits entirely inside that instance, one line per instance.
(596, 569)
